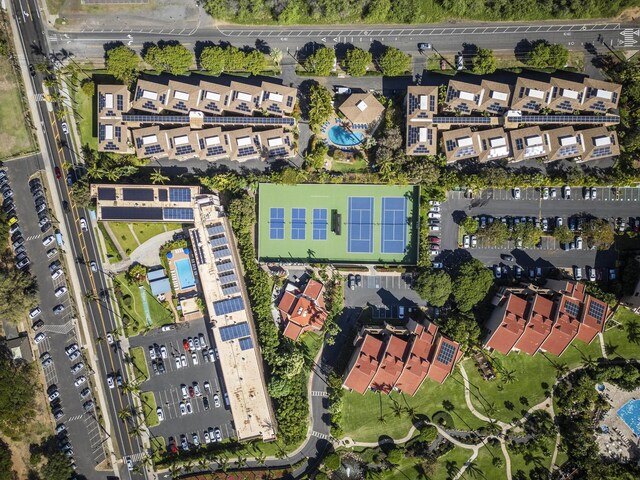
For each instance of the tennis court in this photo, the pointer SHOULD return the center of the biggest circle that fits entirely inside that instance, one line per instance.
(337, 223)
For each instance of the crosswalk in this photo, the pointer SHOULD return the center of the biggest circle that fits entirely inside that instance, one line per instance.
(627, 35)
(136, 457)
(75, 417)
(33, 237)
(61, 329)
(319, 394)
(40, 97)
(322, 436)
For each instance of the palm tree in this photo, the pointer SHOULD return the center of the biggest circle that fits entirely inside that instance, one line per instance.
(223, 463)
(61, 113)
(561, 369)
(276, 55)
(157, 177)
(91, 296)
(260, 458)
(188, 467)
(203, 463)
(136, 430)
(509, 376)
(490, 408)
(397, 409)
(474, 470)
(124, 414)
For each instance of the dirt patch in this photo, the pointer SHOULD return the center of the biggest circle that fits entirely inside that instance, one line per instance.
(629, 15)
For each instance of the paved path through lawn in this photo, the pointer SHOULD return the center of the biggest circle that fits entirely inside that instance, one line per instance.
(470, 406)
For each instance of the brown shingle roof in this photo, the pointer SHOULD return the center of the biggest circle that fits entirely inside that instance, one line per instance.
(362, 108)
(599, 143)
(528, 143)
(460, 144)
(530, 95)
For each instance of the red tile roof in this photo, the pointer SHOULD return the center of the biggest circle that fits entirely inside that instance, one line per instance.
(511, 326)
(538, 327)
(305, 309)
(593, 318)
(565, 327)
(443, 359)
(417, 363)
(391, 365)
(367, 359)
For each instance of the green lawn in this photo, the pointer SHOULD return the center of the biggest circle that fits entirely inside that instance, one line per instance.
(85, 115)
(484, 463)
(135, 311)
(312, 343)
(112, 252)
(15, 138)
(141, 371)
(347, 167)
(449, 464)
(362, 412)
(534, 375)
(624, 340)
(149, 408)
(528, 461)
(143, 232)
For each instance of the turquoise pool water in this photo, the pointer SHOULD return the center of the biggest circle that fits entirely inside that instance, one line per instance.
(630, 413)
(185, 274)
(343, 137)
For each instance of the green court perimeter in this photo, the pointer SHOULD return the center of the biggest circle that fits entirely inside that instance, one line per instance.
(276, 239)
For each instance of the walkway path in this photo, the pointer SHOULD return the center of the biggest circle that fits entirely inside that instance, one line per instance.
(466, 465)
(470, 406)
(146, 254)
(507, 458)
(114, 240)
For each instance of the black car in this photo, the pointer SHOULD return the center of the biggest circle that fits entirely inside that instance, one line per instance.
(205, 401)
(65, 206)
(32, 70)
(358, 280)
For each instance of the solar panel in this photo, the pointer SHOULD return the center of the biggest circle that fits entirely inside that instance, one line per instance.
(462, 120)
(141, 214)
(223, 307)
(225, 266)
(215, 229)
(219, 241)
(178, 213)
(262, 121)
(120, 102)
(298, 223)
(446, 354)
(179, 194)
(138, 194)
(231, 332)
(596, 310)
(230, 289)
(320, 223)
(156, 119)
(228, 277)
(245, 343)
(553, 119)
(572, 309)
(222, 253)
(162, 194)
(106, 193)
(601, 152)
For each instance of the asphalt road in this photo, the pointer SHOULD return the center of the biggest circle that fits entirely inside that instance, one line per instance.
(80, 246)
(445, 38)
(83, 428)
(166, 387)
(498, 203)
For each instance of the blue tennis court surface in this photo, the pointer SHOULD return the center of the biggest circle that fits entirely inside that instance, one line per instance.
(394, 224)
(298, 223)
(276, 224)
(320, 223)
(360, 237)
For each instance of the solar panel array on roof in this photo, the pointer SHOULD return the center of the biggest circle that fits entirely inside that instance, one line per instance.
(463, 120)
(564, 119)
(224, 266)
(219, 241)
(179, 194)
(215, 229)
(106, 193)
(168, 119)
(596, 310)
(178, 213)
(230, 289)
(222, 253)
(137, 194)
(228, 277)
(245, 343)
(231, 332)
(162, 194)
(141, 214)
(572, 309)
(447, 351)
(217, 120)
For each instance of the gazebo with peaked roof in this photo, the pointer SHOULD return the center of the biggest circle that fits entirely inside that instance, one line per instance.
(362, 108)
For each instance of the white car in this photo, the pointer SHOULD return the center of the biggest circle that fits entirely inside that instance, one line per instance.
(577, 273)
(39, 337)
(566, 191)
(163, 352)
(56, 274)
(34, 313)
(466, 241)
(109, 339)
(60, 291)
(516, 193)
(196, 389)
(207, 387)
(80, 380)
(160, 414)
(48, 240)
(94, 266)
(194, 357)
(183, 359)
(207, 439)
(83, 224)
(497, 271)
(592, 274)
(77, 367)
(202, 342)
(191, 344)
(152, 352)
(167, 328)
(189, 409)
(178, 363)
(185, 392)
(74, 355)
(474, 241)
(183, 409)
(545, 193)
(196, 343)
(52, 253)
(129, 464)
(110, 381)
(65, 128)
(578, 243)
(216, 401)
(433, 215)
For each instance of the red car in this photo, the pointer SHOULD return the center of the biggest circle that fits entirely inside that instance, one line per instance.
(185, 344)
(58, 173)
(192, 394)
(434, 239)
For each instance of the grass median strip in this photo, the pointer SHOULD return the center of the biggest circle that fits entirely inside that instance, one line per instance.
(139, 363)
(149, 408)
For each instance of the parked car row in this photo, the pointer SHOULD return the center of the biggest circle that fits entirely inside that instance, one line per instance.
(552, 192)
(17, 240)
(195, 344)
(433, 218)
(354, 281)
(62, 436)
(210, 435)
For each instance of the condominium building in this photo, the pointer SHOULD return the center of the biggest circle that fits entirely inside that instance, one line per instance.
(422, 105)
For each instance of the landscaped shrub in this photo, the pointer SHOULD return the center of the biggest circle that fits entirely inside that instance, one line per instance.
(127, 300)
(444, 419)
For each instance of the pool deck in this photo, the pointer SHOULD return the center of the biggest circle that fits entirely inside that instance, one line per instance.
(621, 443)
(186, 297)
(332, 122)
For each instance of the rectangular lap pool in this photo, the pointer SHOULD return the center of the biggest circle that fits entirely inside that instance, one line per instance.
(630, 413)
(185, 274)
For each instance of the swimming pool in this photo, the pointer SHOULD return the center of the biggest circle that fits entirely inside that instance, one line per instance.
(344, 138)
(185, 274)
(630, 413)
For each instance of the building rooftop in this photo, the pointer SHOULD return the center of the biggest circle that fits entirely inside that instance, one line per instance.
(495, 98)
(303, 311)
(362, 108)
(391, 365)
(460, 144)
(599, 143)
(463, 97)
(528, 143)
(563, 143)
(530, 95)
(509, 322)
(422, 102)
(538, 326)
(277, 99)
(417, 362)
(150, 96)
(366, 364)
(150, 142)
(494, 144)
(245, 98)
(443, 359)
(566, 96)
(601, 96)
(565, 327)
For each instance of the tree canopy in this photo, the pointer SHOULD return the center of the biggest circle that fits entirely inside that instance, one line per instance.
(562, 234)
(434, 286)
(6, 464)
(321, 62)
(528, 233)
(495, 234)
(598, 233)
(123, 63)
(461, 327)
(470, 225)
(548, 55)
(17, 394)
(471, 284)
(356, 62)
(173, 58)
(17, 294)
(320, 105)
(394, 62)
(484, 62)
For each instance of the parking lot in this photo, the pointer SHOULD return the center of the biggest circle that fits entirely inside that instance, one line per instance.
(167, 386)
(609, 204)
(384, 291)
